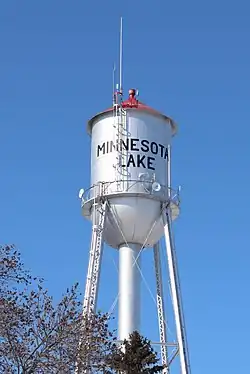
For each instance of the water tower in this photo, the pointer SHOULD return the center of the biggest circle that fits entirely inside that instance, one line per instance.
(131, 205)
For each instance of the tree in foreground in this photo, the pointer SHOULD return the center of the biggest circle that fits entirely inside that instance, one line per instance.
(11, 268)
(136, 356)
(37, 336)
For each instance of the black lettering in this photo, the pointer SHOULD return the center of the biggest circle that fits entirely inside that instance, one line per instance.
(133, 145)
(162, 149)
(131, 161)
(154, 148)
(112, 146)
(140, 163)
(144, 147)
(149, 163)
(166, 154)
(101, 148)
(124, 145)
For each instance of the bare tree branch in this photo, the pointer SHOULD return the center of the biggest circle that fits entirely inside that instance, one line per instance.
(37, 336)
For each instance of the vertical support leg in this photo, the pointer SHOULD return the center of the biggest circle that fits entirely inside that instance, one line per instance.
(176, 295)
(129, 290)
(93, 275)
(94, 267)
(160, 309)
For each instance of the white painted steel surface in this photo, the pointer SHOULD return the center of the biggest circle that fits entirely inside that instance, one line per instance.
(140, 125)
(176, 297)
(129, 290)
(146, 137)
(133, 219)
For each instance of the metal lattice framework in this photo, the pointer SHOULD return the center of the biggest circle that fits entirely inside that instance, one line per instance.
(100, 207)
(160, 307)
(176, 294)
(93, 275)
(95, 257)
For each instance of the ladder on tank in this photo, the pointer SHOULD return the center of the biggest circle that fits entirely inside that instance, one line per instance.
(95, 257)
(120, 123)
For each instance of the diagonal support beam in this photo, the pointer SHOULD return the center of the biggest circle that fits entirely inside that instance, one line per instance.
(176, 294)
(160, 309)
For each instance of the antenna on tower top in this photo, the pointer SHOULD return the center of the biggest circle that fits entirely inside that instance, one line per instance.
(114, 96)
(117, 87)
(121, 55)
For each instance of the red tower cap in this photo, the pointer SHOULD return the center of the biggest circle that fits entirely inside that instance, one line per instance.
(133, 103)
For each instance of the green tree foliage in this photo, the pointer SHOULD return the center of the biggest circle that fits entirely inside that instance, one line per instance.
(135, 357)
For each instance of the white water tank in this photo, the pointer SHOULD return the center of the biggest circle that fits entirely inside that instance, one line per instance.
(129, 154)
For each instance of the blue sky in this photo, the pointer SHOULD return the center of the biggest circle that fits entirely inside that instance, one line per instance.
(191, 61)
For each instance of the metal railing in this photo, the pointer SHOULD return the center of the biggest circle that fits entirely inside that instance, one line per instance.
(134, 187)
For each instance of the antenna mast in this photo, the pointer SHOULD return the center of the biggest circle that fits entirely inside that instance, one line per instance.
(121, 55)
(114, 95)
